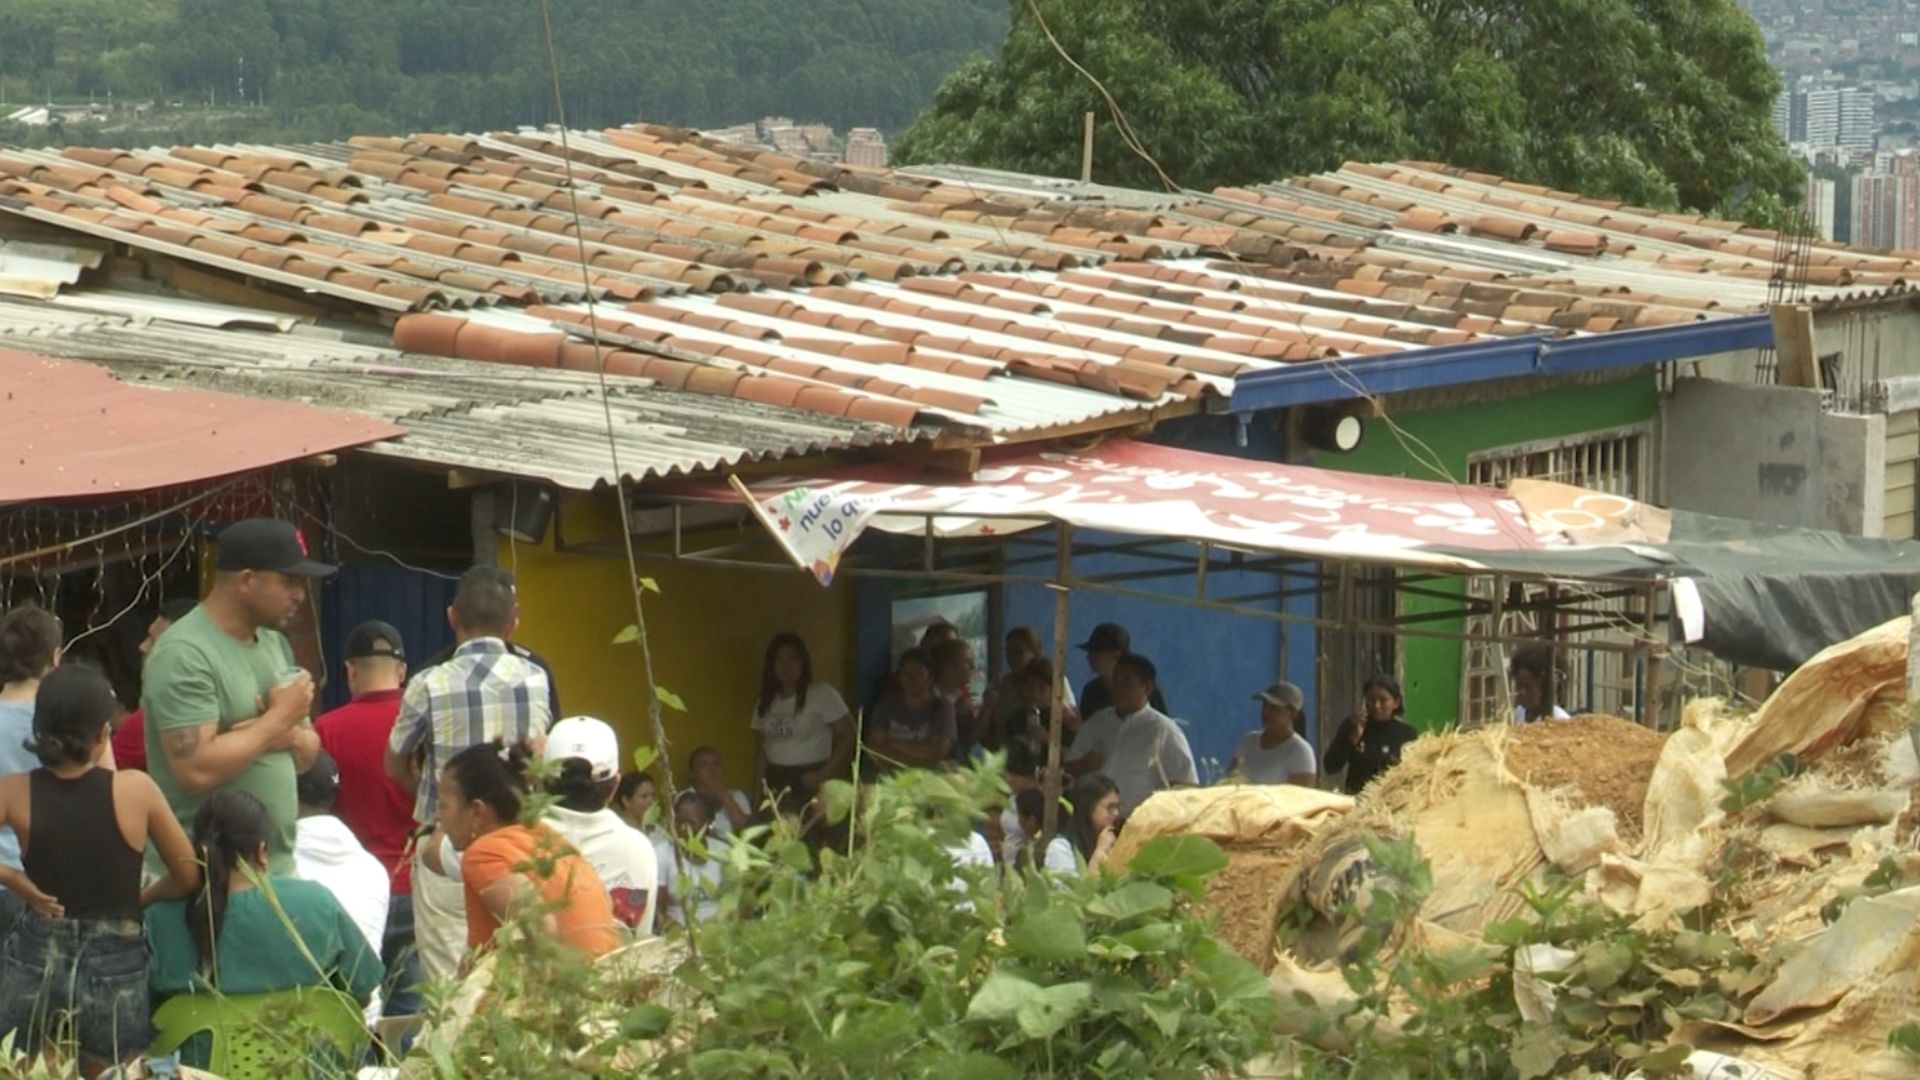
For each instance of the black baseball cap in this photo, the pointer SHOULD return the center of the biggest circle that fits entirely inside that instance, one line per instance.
(375, 638)
(319, 786)
(1108, 637)
(268, 544)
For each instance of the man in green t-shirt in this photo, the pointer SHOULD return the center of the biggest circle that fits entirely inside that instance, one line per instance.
(226, 705)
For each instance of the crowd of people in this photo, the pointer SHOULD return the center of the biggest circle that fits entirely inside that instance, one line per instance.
(216, 839)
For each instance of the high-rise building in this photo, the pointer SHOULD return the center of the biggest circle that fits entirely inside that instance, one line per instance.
(1856, 119)
(1839, 117)
(1886, 206)
(1820, 205)
(1783, 114)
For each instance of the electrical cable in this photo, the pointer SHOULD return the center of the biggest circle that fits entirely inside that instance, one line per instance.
(661, 746)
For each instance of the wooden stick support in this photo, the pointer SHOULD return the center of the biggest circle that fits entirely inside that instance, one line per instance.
(1086, 150)
(1056, 716)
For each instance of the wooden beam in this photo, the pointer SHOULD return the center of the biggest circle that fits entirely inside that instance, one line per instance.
(963, 460)
(1793, 345)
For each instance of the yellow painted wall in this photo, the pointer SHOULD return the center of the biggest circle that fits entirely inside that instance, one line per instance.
(708, 626)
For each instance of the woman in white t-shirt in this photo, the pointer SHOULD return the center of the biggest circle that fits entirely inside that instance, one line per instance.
(1276, 754)
(806, 733)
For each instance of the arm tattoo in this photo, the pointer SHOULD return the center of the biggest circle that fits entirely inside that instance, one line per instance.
(180, 743)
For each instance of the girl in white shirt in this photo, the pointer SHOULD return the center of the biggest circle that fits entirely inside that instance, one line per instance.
(1086, 838)
(688, 879)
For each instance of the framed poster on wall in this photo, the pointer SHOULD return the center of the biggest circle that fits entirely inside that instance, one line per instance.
(967, 611)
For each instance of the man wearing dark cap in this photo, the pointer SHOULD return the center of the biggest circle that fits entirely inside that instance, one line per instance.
(1108, 643)
(225, 703)
(371, 805)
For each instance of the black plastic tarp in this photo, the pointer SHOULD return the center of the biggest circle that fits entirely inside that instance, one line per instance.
(1769, 596)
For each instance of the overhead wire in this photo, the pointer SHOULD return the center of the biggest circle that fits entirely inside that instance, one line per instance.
(659, 730)
(1418, 450)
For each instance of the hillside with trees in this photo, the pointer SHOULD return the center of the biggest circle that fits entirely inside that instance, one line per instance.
(301, 69)
(1661, 102)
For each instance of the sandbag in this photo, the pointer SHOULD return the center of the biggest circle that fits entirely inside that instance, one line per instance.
(1854, 948)
(1817, 806)
(1851, 688)
(1572, 839)
(1800, 844)
(1247, 815)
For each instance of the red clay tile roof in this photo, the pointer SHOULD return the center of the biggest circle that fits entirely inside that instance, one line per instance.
(728, 270)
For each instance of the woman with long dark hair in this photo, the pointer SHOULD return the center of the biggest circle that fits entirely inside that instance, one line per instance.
(1369, 742)
(248, 931)
(1086, 837)
(509, 869)
(80, 952)
(806, 733)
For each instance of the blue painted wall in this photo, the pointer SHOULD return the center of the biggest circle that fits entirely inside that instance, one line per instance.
(1211, 663)
(414, 602)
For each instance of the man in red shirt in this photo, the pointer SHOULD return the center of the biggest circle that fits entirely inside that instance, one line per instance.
(130, 738)
(373, 807)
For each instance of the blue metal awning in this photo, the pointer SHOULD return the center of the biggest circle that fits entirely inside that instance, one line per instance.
(1314, 382)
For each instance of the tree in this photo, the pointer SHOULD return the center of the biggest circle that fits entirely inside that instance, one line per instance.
(1659, 102)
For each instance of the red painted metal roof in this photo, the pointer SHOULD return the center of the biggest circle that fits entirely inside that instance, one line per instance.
(72, 430)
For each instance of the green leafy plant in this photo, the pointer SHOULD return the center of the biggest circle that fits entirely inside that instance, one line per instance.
(1758, 786)
(856, 947)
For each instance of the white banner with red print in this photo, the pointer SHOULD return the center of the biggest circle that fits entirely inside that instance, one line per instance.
(1125, 486)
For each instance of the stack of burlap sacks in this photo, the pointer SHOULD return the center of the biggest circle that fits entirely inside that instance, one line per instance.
(1839, 987)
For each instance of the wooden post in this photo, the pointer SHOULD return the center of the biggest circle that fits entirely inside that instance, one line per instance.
(1656, 656)
(1504, 709)
(1056, 714)
(1086, 150)
(1793, 345)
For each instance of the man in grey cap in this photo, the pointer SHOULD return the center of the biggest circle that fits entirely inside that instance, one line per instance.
(1277, 754)
(226, 705)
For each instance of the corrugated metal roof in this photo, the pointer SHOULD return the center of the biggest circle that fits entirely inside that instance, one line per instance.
(543, 424)
(74, 431)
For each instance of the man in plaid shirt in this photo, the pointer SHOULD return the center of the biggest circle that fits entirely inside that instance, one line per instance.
(486, 691)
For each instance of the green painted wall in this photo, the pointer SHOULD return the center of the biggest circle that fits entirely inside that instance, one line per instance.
(1450, 434)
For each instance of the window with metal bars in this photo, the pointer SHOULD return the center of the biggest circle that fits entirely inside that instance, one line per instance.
(1616, 461)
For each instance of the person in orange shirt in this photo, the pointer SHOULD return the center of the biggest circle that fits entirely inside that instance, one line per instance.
(508, 868)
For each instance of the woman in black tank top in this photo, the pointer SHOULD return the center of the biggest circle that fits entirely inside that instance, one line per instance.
(76, 965)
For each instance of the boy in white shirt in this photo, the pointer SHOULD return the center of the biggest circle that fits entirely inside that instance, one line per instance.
(1148, 751)
(588, 753)
(327, 853)
(707, 771)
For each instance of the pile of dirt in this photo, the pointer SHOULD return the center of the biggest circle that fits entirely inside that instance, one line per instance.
(1247, 896)
(1593, 760)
